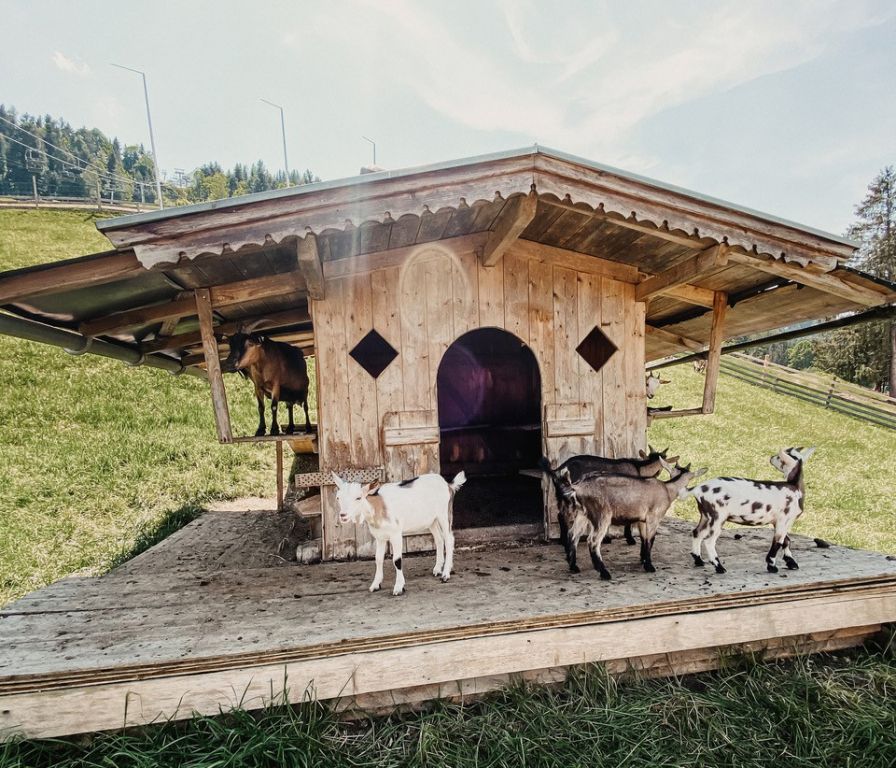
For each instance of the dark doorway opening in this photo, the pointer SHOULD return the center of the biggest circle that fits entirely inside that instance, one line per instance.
(489, 390)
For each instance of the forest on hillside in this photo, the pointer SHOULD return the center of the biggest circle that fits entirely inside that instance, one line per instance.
(47, 154)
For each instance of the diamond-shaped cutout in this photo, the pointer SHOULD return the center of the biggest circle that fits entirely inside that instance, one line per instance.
(373, 353)
(596, 349)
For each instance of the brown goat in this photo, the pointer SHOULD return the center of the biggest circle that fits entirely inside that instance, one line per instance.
(278, 371)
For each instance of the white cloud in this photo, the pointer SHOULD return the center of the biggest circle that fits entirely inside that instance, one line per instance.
(66, 64)
(585, 78)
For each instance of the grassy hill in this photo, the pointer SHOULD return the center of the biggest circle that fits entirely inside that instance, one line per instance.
(98, 456)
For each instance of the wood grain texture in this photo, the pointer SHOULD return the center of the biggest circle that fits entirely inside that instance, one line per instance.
(167, 636)
(203, 308)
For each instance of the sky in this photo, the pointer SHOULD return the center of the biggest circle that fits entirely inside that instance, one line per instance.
(788, 107)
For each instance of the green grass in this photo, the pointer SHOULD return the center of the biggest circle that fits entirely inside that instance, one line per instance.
(100, 459)
(850, 481)
(30, 237)
(823, 710)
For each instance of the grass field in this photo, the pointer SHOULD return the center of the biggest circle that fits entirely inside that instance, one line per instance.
(100, 459)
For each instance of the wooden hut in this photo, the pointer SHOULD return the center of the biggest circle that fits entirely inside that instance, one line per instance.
(472, 314)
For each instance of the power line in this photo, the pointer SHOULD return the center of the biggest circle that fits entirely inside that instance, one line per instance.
(102, 173)
(87, 163)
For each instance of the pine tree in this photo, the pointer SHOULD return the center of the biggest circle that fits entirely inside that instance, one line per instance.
(867, 353)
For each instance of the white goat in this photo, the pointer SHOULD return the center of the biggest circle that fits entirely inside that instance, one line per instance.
(652, 384)
(752, 502)
(420, 505)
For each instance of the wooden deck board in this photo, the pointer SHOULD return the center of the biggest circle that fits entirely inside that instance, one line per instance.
(200, 607)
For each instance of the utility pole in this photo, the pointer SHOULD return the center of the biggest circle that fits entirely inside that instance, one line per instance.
(152, 139)
(283, 132)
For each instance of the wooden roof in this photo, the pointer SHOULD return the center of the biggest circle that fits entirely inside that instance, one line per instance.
(263, 254)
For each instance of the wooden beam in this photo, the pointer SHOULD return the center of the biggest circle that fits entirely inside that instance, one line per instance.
(822, 281)
(714, 356)
(394, 257)
(711, 258)
(657, 415)
(224, 295)
(103, 268)
(692, 294)
(581, 262)
(673, 338)
(199, 358)
(184, 340)
(310, 266)
(515, 216)
(213, 364)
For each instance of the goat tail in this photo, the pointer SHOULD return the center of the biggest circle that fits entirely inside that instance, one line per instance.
(544, 463)
(459, 479)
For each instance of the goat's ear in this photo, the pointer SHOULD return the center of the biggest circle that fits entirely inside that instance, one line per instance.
(673, 459)
(700, 472)
(665, 381)
(564, 473)
(807, 453)
(370, 488)
(340, 483)
(641, 454)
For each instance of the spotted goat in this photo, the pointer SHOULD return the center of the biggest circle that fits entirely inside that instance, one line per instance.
(393, 510)
(752, 502)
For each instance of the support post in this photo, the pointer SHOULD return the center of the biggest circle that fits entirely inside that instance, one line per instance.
(280, 493)
(310, 266)
(714, 355)
(213, 364)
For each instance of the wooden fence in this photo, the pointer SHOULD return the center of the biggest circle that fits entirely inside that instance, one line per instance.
(817, 388)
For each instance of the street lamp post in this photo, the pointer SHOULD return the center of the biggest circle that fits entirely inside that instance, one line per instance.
(152, 138)
(283, 132)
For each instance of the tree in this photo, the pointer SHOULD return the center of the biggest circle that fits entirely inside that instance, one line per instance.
(867, 353)
(801, 355)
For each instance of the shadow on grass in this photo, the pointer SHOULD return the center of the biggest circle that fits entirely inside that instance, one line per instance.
(153, 533)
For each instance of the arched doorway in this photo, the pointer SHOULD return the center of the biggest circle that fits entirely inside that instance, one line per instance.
(489, 396)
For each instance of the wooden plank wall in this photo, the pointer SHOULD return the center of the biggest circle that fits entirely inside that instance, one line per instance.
(420, 307)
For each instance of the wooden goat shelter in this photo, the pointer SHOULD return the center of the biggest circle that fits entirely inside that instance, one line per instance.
(474, 315)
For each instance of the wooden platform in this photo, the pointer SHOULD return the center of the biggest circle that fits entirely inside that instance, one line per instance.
(217, 616)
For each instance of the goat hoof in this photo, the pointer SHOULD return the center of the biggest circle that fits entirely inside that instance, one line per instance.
(720, 568)
(605, 576)
(771, 568)
(275, 431)
(374, 589)
(290, 430)
(698, 561)
(445, 579)
(631, 542)
(791, 564)
(574, 568)
(259, 432)
(649, 568)
(398, 593)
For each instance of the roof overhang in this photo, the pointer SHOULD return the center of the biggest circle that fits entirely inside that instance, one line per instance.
(264, 255)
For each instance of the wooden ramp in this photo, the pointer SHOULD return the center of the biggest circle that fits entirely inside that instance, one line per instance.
(215, 617)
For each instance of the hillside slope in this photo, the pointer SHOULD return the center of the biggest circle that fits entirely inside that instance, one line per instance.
(850, 482)
(95, 454)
